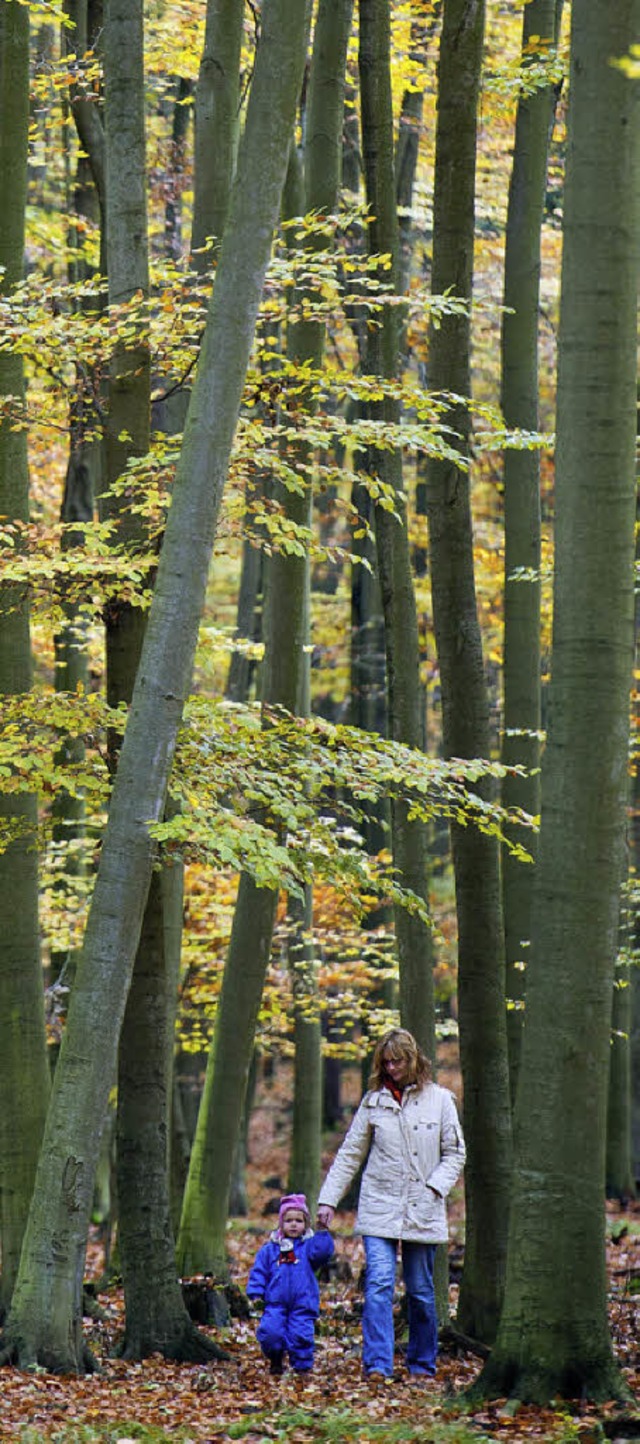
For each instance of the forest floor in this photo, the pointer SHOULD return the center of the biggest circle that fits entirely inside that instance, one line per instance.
(155, 1401)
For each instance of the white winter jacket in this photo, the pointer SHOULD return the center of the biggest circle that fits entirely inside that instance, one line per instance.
(414, 1152)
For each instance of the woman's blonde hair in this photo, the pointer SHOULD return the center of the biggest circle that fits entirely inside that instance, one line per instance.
(400, 1043)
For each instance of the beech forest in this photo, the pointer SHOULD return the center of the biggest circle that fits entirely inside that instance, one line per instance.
(318, 701)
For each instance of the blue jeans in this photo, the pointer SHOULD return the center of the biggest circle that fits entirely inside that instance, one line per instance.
(377, 1318)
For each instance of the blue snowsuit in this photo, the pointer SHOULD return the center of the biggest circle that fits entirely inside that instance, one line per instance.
(291, 1295)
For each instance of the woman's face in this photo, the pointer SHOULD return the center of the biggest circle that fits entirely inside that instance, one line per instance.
(397, 1068)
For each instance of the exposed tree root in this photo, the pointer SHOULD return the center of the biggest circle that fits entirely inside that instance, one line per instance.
(91, 1309)
(186, 1345)
(454, 1341)
(533, 1383)
(211, 1301)
(8, 1352)
(91, 1365)
(14, 1351)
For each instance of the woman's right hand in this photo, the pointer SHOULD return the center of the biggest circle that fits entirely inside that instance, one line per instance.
(325, 1215)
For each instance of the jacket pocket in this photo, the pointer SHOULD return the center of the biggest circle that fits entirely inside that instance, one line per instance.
(426, 1214)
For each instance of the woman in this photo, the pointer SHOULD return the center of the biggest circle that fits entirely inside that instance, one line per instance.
(408, 1131)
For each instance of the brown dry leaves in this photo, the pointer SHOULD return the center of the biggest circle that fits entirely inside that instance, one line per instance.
(189, 1402)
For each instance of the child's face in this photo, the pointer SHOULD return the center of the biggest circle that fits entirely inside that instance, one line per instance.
(293, 1223)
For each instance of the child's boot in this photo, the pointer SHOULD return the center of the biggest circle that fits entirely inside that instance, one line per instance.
(276, 1362)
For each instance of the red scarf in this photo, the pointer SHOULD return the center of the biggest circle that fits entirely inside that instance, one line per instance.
(395, 1091)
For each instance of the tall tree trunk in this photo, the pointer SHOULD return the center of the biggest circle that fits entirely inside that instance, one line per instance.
(176, 171)
(156, 1317)
(216, 125)
(619, 1179)
(201, 1241)
(408, 142)
(87, 19)
(405, 698)
(305, 346)
(24, 1080)
(554, 1336)
(465, 702)
(82, 478)
(248, 623)
(306, 1130)
(634, 899)
(622, 1173)
(521, 673)
(44, 1321)
(217, 117)
(201, 1237)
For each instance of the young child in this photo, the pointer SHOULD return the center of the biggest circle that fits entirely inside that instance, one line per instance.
(283, 1275)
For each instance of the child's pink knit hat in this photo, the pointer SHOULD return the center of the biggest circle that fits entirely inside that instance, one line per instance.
(293, 1200)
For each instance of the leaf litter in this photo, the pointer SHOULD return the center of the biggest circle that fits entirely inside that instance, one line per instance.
(156, 1401)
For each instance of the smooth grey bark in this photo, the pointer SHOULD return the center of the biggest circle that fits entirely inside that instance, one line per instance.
(217, 118)
(554, 1339)
(405, 699)
(87, 17)
(44, 1322)
(156, 1316)
(408, 144)
(368, 687)
(201, 1243)
(174, 180)
(201, 1237)
(634, 931)
(216, 126)
(248, 623)
(622, 1173)
(238, 1197)
(465, 701)
(519, 356)
(82, 482)
(306, 1129)
(24, 1078)
(305, 346)
(619, 1178)
(216, 122)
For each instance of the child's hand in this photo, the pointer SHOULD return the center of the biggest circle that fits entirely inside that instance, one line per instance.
(257, 1307)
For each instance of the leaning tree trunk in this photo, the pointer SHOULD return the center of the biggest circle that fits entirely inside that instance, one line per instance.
(405, 699)
(554, 1336)
(201, 1242)
(24, 1080)
(521, 672)
(44, 1322)
(465, 701)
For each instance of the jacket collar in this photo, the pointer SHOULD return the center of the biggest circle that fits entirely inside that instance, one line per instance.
(382, 1098)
